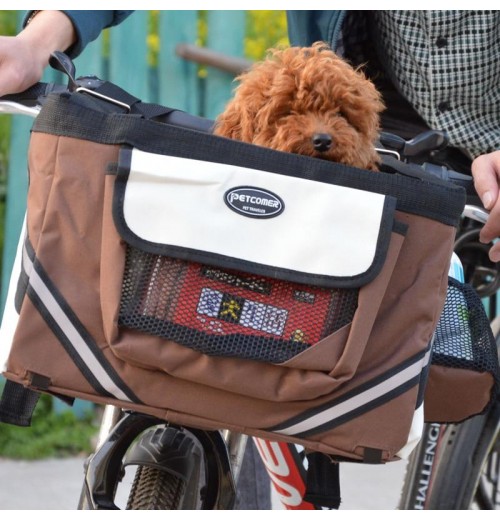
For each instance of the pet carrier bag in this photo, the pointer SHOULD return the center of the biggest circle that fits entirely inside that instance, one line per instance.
(220, 285)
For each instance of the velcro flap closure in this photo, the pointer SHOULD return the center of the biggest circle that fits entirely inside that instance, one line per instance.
(255, 221)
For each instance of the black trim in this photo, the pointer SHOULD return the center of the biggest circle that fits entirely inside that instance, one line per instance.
(401, 228)
(61, 336)
(22, 287)
(227, 262)
(352, 393)
(372, 456)
(39, 381)
(70, 115)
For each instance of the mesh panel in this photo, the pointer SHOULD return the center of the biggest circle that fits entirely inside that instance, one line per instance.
(228, 313)
(463, 335)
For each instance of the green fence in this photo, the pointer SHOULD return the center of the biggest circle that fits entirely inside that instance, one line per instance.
(142, 55)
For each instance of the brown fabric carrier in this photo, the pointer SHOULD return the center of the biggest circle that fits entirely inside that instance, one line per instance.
(356, 388)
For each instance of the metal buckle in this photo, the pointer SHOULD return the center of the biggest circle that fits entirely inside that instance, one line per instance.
(103, 97)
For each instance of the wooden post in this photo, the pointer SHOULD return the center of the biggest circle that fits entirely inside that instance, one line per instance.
(128, 66)
(178, 82)
(226, 31)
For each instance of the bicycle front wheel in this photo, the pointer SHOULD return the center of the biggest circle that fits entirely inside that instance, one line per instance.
(467, 476)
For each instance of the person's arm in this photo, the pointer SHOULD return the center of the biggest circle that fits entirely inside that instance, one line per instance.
(24, 57)
(486, 173)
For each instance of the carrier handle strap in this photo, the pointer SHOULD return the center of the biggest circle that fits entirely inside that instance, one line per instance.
(104, 90)
(147, 110)
(154, 111)
(17, 404)
(322, 481)
(123, 101)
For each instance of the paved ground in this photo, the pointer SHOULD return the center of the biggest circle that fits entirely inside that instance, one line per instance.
(56, 484)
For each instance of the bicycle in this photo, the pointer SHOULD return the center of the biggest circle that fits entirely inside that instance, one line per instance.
(215, 457)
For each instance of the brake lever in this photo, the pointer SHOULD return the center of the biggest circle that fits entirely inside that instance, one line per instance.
(421, 145)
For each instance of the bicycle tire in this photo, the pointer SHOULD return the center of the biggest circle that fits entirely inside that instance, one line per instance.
(155, 489)
(465, 471)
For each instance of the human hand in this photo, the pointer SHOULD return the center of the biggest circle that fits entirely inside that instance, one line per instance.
(24, 57)
(486, 174)
(20, 65)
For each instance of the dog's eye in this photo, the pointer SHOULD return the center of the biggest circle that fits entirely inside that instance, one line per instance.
(349, 119)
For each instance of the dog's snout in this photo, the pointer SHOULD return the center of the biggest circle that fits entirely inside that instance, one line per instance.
(322, 142)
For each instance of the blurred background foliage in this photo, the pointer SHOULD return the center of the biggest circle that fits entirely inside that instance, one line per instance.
(264, 29)
(8, 20)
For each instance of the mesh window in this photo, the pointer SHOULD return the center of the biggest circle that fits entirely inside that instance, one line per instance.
(463, 336)
(228, 313)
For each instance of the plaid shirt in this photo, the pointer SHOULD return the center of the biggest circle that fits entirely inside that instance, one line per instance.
(447, 65)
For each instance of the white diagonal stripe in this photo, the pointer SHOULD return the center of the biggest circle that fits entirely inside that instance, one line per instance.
(358, 400)
(70, 331)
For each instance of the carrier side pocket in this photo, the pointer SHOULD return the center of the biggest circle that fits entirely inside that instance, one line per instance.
(464, 374)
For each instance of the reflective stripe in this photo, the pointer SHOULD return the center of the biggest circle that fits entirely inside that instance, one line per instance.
(364, 398)
(70, 331)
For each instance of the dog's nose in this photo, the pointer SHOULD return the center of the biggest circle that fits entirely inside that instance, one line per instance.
(322, 142)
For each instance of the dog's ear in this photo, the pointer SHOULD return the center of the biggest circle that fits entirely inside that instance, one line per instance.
(253, 103)
(237, 121)
(363, 105)
(228, 124)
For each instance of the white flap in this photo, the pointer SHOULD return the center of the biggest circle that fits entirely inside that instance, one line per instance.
(287, 223)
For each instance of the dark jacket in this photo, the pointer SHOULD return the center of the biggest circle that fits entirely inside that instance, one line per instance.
(307, 27)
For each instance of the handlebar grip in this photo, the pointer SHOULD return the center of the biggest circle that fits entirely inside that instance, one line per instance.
(31, 96)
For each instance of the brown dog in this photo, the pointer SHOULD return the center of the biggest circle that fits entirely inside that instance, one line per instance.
(306, 101)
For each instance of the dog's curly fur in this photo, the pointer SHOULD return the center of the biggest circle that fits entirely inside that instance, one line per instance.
(297, 94)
